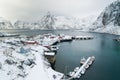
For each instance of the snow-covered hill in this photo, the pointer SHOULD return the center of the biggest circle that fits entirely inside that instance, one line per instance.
(4, 24)
(50, 21)
(109, 19)
(26, 25)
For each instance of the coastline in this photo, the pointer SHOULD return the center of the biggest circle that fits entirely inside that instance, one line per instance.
(24, 65)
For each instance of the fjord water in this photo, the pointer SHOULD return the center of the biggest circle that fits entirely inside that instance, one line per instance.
(103, 47)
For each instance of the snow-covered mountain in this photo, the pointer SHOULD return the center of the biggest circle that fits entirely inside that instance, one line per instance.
(4, 24)
(26, 25)
(109, 19)
(86, 22)
(50, 21)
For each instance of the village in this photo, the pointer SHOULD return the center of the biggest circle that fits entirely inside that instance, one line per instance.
(27, 57)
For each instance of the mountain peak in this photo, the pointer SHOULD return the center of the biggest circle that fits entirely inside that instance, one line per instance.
(111, 15)
(48, 21)
(109, 20)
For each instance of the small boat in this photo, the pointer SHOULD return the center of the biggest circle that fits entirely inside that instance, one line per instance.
(87, 66)
(83, 71)
(79, 75)
(82, 61)
(92, 58)
(90, 62)
(53, 48)
(76, 69)
(71, 74)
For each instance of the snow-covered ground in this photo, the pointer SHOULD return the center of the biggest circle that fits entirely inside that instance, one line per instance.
(24, 62)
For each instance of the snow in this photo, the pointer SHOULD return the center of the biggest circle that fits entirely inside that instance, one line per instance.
(28, 66)
(67, 37)
(49, 53)
(89, 23)
(106, 22)
(54, 75)
(5, 24)
(38, 72)
(49, 41)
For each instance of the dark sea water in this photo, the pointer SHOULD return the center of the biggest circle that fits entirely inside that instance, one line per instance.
(103, 47)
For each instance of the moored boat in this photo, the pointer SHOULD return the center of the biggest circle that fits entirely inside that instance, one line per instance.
(83, 71)
(82, 61)
(87, 66)
(76, 69)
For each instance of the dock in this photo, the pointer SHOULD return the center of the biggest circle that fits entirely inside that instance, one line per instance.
(82, 37)
(79, 71)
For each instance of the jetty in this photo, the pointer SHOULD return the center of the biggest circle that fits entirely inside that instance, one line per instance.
(82, 37)
(79, 71)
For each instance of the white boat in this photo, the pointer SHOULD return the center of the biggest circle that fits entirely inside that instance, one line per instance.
(76, 69)
(71, 73)
(83, 71)
(79, 76)
(90, 62)
(82, 61)
(87, 66)
(92, 58)
(54, 48)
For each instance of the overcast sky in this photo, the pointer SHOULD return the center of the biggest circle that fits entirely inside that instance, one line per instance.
(33, 9)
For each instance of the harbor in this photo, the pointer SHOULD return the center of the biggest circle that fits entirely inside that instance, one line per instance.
(78, 71)
(50, 55)
(68, 55)
(60, 40)
(23, 46)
